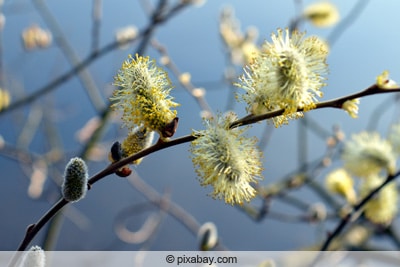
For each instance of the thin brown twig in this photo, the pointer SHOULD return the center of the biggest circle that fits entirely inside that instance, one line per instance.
(355, 210)
(336, 103)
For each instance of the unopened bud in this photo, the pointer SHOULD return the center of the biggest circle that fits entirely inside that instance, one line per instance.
(115, 152)
(198, 92)
(35, 37)
(34, 257)
(207, 236)
(384, 82)
(5, 99)
(317, 212)
(170, 129)
(75, 180)
(322, 14)
(331, 141)
(185, 78)
(124, 171)
(165, 60)
(126, 34)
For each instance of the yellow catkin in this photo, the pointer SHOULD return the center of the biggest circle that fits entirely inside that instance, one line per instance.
(226, 160)
(288, 74)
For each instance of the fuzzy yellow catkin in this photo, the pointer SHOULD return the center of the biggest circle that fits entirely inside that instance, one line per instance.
(382, 208)
(368, 154)
(226, 160)
(322, 14)
(340, 182)
(126, 34)
(35, 37)
(143, 95)
(288, 74)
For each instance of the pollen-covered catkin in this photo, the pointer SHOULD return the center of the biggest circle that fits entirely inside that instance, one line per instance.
(382, 208)
(143, 95)
(287, 74)
(227, 160)
(368, 154)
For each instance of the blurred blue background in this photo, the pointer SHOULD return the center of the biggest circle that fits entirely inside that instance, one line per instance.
(366, 47)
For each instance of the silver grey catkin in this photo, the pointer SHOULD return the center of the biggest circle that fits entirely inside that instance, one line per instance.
(34, 257)
(75, 180)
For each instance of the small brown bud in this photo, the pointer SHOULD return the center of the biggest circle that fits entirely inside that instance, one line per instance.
(170, 129)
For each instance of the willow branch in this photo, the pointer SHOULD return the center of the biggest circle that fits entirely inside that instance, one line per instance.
(336, 103)
(33, 229)
(355, 210)
(105, 112)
